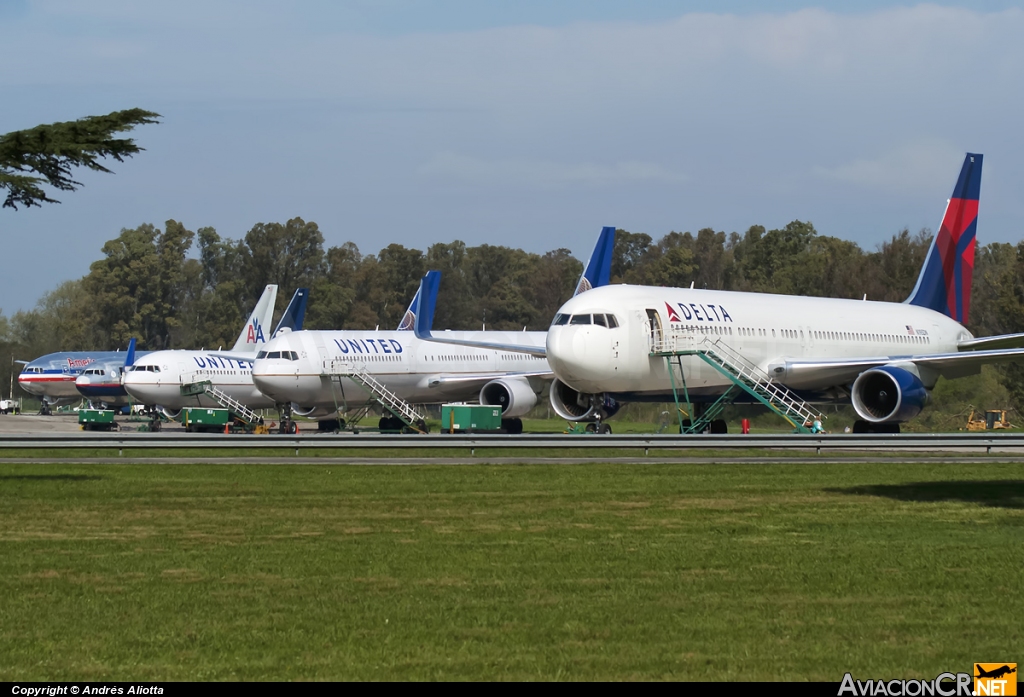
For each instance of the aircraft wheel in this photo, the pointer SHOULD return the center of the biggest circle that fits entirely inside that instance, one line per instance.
(605, 428)
(719, 426)
(861, 426)
(591, 428)
(422, 426)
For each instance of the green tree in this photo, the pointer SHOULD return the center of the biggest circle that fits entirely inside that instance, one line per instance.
(48, 153)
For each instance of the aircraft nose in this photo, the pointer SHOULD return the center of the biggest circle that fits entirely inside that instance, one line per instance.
(580, 355)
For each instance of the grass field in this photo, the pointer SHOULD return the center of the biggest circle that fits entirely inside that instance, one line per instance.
(592, 572)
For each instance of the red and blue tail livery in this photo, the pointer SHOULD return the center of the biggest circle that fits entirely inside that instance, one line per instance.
(945, 281)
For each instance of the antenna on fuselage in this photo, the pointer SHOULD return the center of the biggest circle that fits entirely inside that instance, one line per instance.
(691, 285)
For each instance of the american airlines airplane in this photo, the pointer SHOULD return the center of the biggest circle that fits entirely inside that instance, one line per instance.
(53, 377)
(308, 371)
(157, 378)
(609, 346)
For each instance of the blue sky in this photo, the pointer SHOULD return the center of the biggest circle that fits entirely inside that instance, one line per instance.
(530, 124)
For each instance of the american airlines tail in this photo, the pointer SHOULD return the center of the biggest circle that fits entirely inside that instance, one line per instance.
(945, 281)
(294, 314)
(253, 334)
(598, 271)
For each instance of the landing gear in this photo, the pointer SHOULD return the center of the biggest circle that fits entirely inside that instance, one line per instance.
(330, 425)
(513, 427)
(718, 426)
(287, 425)
(861, 426)
(44, 409)
(598, 427)
(422, 426)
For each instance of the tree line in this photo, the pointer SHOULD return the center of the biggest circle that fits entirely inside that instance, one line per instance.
(175, 288)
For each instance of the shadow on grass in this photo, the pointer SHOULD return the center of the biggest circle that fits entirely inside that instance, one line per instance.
(1007, 493)
(50, 477)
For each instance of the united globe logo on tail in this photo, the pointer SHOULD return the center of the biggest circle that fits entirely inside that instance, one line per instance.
(255, 333)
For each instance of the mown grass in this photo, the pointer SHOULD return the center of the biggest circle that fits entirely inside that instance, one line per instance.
(594, 572)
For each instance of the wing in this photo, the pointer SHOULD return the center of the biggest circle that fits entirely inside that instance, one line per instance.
(426, 299)
(808, 374)
(993, 342)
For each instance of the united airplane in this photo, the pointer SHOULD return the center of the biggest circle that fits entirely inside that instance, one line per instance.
(608, 346)
(306, 372)
(156, 380)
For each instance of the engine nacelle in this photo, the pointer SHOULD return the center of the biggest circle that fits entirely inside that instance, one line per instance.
(313, 412)
(576, 406)
(171, 414)
(513, 395)
(888, 394)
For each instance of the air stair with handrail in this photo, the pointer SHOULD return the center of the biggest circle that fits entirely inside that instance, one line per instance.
(239, 410)
(742, 373)
(336, 369)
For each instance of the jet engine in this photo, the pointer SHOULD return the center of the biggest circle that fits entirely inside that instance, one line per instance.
(576, 406)
(313, 412)
(888, 394)
(513, 395)
(171, 414)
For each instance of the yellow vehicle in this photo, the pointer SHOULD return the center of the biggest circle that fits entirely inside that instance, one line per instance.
(991, 420)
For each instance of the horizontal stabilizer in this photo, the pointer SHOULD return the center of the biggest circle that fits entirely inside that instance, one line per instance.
(426, 300)
(992, 342)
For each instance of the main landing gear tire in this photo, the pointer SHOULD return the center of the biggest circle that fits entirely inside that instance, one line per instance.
(330, 425)
(719, 426)
(513, 427)
(861, 426)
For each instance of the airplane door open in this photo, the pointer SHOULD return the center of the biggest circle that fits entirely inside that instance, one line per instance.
(654, 327)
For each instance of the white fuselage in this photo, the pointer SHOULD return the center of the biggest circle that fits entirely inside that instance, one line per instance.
(157, 378)
(419, 372)
(766, 330)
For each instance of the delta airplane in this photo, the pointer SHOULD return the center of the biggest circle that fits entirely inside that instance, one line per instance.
(302, 371)
(883, 357)
(157, 378)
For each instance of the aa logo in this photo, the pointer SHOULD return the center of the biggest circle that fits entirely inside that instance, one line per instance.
(995, 679)
(255, 335)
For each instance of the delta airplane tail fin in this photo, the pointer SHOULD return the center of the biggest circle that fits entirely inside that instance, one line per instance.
(598, 271)
(409, 318)
(253, 333)
(294, 314)
(945, 281)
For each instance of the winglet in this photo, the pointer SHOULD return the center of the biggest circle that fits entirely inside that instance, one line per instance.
(945, 281)
(425, 301)
(294, 314)
(598, 271)
(129, 358)
(253, 334)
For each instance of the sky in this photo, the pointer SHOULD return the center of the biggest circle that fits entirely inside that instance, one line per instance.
(529, 124)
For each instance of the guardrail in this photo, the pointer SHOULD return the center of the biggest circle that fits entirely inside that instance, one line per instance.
(895, 442)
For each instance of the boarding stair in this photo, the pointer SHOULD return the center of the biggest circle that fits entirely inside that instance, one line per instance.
(404, 411)
(239, 410)
(742, 373)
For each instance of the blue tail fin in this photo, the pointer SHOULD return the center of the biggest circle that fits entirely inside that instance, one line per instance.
(129, 359)
(295, 313)
(945, 281)
(598, 271)
(424, 303)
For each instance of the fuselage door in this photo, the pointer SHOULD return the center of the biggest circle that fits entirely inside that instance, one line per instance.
(654, 328)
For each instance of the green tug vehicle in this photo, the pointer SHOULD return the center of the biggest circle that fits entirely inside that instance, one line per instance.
(97, 420)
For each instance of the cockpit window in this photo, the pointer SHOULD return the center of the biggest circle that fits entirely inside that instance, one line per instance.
(292, 355)
(261, 354)
(599, 319)
(560, 319)
(580, 319)
(274, 354)
(612, 322)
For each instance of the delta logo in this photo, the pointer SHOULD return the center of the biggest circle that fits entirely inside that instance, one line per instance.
(255, 335)
(673, 316)
(995, 679)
